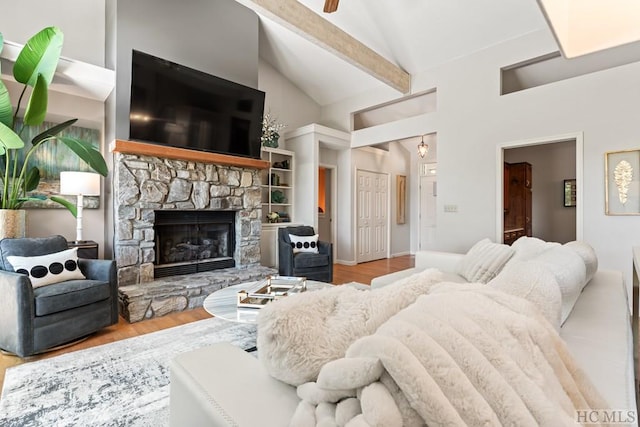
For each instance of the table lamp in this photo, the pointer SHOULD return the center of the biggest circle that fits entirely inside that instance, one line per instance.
(79, 184)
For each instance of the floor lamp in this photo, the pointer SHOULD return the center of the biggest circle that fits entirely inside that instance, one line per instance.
(79, 184)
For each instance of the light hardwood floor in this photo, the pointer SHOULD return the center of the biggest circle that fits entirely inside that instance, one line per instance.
(362, 273)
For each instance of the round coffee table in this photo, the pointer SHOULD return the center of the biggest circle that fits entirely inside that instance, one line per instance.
(224, 303)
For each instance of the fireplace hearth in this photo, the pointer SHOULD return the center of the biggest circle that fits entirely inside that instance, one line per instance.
(193, 241)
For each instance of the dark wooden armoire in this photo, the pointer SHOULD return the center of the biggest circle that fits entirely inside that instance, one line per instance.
(517, 201)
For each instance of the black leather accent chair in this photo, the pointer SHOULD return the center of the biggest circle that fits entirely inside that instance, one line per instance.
(303, 264)
(33, 320)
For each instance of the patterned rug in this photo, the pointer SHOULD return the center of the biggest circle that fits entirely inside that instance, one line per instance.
(125, 383)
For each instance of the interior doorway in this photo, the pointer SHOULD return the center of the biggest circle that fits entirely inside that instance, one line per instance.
(553, 161)
(327, 192)
(428, 197)
(372, 207)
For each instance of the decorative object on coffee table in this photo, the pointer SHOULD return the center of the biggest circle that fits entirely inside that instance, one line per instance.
(271, 289)
(223, 303)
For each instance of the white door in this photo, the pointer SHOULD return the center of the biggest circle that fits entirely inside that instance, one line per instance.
(428, 195)
(372, 222)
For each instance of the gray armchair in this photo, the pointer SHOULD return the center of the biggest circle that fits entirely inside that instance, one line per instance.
(310, 265)
(33, 320)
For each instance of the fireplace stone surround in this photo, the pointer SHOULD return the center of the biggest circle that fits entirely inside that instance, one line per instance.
(144, 184)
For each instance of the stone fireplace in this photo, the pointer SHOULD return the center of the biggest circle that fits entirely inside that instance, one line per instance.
(180, 197)
(193, 241)
(144, 185)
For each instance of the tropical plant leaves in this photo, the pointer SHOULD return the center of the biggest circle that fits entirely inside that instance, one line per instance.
(51, 132)
(32, 179)
(39, 56)
(37, 106)
(9, 140)
(6, 110)
(35, 66)
(88, 153)
(67, 204)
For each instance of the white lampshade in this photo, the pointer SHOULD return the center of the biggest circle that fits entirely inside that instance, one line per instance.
(85, 183)
(585, 26)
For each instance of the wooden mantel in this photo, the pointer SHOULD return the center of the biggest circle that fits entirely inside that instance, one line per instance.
(144, 149)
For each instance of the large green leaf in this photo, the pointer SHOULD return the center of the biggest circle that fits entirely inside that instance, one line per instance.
(1, 42)
(37, 107)
(32, 179)
(67, 204)
(39, 56)
(6, 110)
(17, 204)
(88, 153)
(52, 131)
(9, 140)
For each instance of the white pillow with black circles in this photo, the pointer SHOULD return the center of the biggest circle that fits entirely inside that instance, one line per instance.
(304, 243)
(48, 269)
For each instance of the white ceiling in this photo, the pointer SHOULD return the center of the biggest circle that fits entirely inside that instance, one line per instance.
(416, 35)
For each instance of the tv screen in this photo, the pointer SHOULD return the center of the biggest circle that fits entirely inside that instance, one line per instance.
(178, 106)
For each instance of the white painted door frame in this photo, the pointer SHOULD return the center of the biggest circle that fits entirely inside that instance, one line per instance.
(334, 204)
(578, 137)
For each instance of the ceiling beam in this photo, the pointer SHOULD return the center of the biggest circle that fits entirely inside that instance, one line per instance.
(303, 21)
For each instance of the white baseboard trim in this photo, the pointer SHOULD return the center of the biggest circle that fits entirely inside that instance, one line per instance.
(401, 254)
(343, 262)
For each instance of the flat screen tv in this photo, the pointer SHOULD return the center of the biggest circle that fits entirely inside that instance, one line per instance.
(181, 107)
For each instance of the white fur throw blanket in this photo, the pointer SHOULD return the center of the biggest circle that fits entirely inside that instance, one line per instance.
(297, 335)
(461, 355)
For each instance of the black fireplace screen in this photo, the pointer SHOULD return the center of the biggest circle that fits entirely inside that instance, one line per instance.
(193, 241)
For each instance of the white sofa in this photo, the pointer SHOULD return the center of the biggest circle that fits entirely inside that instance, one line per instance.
(223, 386)
(598, 330)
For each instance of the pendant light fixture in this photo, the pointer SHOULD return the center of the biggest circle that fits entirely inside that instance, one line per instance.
(422, 148)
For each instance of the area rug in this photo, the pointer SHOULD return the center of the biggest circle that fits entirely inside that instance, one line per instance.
(125, 383)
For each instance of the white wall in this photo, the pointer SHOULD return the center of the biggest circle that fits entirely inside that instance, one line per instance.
(286, 103)
(81, 21)
(400, 236)
(473, 118)
(551, 164)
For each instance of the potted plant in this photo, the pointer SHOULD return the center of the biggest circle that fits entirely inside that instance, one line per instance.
(34, 69)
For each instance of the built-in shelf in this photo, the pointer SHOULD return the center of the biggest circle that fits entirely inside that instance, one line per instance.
(144, 149)
(72, 77)
(278, 178)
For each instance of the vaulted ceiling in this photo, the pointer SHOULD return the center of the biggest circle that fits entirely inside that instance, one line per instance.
(415, 35)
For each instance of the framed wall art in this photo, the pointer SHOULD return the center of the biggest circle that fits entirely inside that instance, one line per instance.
(54, 157)
(569, 193)
(622, 182)
(401, 199)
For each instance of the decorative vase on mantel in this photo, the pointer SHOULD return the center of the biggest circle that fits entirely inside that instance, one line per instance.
(13, 223)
